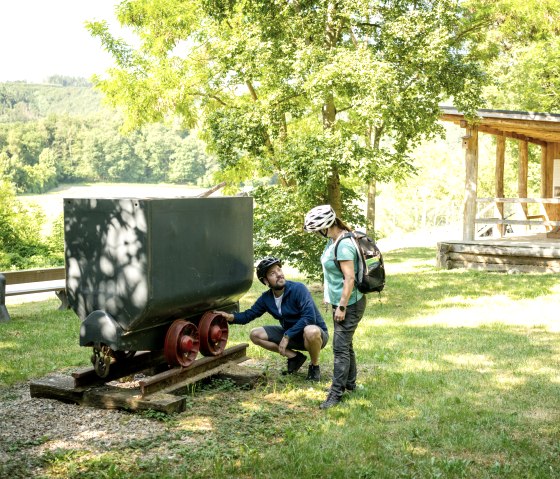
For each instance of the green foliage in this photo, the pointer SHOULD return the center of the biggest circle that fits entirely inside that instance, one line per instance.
(37, 156)
(317, 97)
(21, 245)
(55, 240)
(281, 233)
(157, 415)
(20, 101)
(188, 163)
(532, 76)
(65, 81)
(84, 144)
(522, 46)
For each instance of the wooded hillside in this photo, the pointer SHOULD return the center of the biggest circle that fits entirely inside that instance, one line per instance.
(21, 101)
(61, 132)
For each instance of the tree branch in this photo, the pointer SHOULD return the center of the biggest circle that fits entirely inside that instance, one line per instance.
(251, 90)
(340, 110)
(474, 27)
(290, 97)
(213, 97)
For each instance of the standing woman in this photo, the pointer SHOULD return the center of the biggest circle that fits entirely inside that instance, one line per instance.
(347, 302)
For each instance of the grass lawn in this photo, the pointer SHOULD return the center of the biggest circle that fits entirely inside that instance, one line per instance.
(460, 376)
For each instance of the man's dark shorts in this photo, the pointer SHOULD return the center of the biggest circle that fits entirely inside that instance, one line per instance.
(276, 333)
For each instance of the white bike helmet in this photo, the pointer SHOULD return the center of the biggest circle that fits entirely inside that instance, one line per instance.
(319, 218)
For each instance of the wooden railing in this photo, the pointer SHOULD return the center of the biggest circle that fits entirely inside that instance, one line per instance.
(39, 280)
(519, 216)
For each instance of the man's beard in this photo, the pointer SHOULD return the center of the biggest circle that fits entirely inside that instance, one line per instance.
(277, 287)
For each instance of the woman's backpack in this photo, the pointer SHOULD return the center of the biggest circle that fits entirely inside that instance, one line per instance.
(370, 276)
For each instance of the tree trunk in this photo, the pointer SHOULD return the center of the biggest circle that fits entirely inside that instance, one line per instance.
(376, 132)
(370, 209)
(334, 196)
(333, 181)
(329, 115)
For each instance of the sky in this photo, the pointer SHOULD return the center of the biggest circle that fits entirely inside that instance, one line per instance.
(40, 38)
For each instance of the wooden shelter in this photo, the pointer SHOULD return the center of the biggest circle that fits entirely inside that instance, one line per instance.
(492, 236)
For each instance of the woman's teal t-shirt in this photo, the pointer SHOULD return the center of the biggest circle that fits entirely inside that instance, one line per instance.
(334, 279)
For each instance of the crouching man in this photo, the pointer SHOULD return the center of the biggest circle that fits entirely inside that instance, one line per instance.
(301, 328)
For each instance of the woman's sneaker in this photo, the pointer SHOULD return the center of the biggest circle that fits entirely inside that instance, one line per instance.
(295, 363)
(313, 373)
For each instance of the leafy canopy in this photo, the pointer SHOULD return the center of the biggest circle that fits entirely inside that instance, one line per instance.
(300, 92)
(521, 42)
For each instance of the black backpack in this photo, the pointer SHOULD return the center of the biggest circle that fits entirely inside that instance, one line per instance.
(371, 270)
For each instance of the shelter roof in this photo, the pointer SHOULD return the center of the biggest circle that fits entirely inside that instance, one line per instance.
(539, 128)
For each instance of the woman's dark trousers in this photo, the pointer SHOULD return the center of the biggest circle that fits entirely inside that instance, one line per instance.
(344, 374)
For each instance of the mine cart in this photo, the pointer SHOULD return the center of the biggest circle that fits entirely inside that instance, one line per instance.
(145, 274)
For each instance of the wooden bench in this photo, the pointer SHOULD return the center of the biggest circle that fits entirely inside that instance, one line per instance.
(523, 219)
(39, 280)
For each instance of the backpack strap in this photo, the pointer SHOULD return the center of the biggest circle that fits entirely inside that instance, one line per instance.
(336, 243)
(361, 262)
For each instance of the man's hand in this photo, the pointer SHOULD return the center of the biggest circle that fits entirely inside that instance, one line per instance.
(228, 316)
(282, 345)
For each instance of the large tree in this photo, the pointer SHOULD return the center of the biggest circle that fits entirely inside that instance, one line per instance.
(322, 96)
(521, 41)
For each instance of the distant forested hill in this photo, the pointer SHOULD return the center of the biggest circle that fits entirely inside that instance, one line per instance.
(20, 101)
(60, 132)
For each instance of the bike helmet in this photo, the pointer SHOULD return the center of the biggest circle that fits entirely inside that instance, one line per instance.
(319, 218)
(264, 266)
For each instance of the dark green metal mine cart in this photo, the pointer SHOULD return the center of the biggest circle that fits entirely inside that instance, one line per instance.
(145, 274)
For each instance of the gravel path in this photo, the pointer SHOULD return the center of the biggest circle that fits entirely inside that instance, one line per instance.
(30, 427)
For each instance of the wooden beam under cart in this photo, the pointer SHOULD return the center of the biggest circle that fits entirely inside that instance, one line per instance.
(154, 393)
(177, 378)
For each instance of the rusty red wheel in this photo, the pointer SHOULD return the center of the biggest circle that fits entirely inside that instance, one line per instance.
(213, 331)
(181, 343)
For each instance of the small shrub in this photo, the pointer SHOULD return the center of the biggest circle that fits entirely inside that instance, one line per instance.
(21, 243)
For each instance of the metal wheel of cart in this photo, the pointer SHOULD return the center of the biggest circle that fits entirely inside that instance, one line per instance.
(181, 343)
(213, 331)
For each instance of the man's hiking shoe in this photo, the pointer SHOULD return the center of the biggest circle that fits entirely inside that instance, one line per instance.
(332, 400)
(313, 373)
(295, 363)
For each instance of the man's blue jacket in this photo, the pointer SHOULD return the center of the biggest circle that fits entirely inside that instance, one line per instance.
(298, 309)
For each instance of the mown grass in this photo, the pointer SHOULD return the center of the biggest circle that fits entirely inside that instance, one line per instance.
(460, 373)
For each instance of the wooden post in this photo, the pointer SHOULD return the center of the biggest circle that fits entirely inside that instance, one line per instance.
(4, 315)
(544, 173)
(470, 141)
(500, 162)
(552, 153)
(523, 172)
